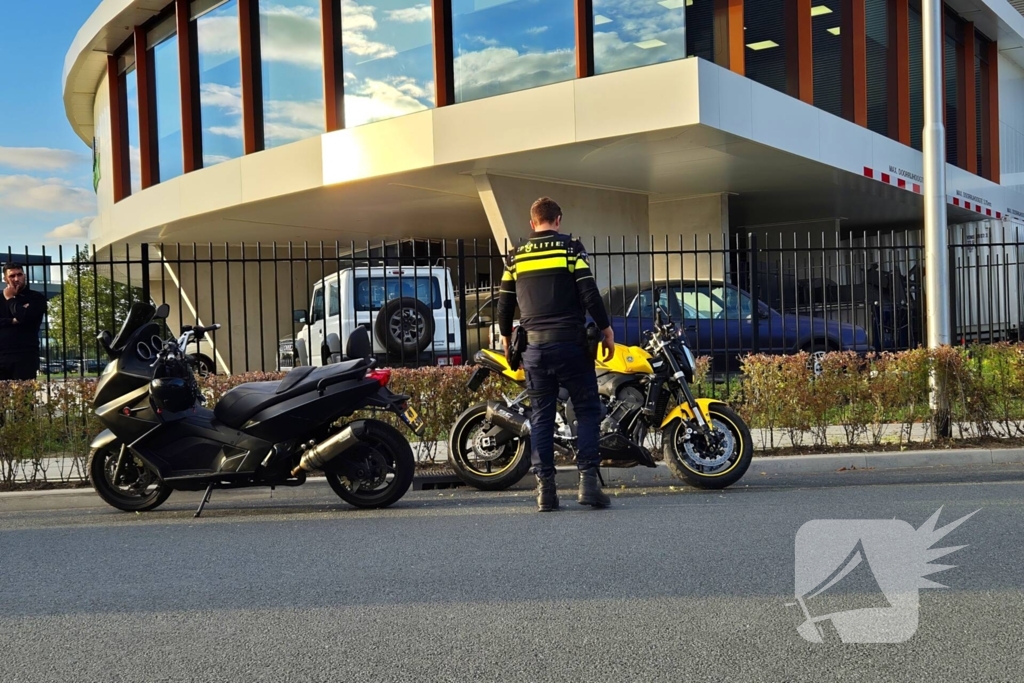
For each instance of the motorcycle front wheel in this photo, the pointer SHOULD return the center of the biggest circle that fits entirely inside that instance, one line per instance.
(709, 465)
(478, 462)
(377, 471)
(137, 488)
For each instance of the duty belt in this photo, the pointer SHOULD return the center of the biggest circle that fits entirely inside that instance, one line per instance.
(557, 335)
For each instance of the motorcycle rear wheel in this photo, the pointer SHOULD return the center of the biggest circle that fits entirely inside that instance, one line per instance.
(740, 450)
(139, 490)
(490, 471)
(385, 456)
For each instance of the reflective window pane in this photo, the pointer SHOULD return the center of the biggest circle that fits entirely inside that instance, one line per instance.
(293, 71)
(168, 108)
(134, 155)
(700, 29)
(877, 27)
(916, 79)
(506, 45)
(220, 83)
(387, 58)
(765, 39)
(826, 47)
(629, 33)
(980, 108)
(951, 78)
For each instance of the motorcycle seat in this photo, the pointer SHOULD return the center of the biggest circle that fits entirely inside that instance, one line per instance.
(239, 404)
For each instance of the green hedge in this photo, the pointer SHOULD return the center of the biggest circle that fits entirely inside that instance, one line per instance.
(47, 427)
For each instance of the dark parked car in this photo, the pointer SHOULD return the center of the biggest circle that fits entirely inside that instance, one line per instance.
(720, 321)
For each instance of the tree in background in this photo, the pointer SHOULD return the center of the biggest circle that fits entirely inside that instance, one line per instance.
(90, 303)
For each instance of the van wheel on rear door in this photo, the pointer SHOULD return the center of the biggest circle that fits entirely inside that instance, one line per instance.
(405, 326)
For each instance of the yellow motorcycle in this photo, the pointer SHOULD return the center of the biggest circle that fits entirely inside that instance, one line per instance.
(645, 391)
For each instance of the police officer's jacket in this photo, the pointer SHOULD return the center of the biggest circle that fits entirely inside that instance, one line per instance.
(550, 278)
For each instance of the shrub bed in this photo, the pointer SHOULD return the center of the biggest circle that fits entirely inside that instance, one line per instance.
(854, 400)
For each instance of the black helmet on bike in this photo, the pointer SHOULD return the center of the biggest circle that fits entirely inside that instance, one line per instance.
(173, 387)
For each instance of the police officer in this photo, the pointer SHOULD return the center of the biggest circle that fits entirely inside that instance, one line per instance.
(551, 280)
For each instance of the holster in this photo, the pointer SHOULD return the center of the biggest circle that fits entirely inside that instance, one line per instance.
(594, 338)
(516, 347)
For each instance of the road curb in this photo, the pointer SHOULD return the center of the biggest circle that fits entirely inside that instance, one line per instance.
(660, 475)
(819, 464)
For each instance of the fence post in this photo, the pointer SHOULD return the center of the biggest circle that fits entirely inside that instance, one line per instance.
(462, 301)
(952, 293)
(145, 272)
(755, 312)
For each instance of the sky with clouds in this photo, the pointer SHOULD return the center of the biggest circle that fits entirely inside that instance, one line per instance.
(46, 194)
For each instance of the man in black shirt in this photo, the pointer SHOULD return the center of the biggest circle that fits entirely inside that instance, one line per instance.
(21, 314)
(550, 278)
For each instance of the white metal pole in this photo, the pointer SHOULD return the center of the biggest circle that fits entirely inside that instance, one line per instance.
(936, 246)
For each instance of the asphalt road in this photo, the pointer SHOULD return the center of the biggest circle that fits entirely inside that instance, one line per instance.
(670, 585)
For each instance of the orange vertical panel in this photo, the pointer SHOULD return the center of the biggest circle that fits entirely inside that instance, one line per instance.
(252, 76)
(118, 131)
(150, 170)
(188, 78)
(728, 28)
(899, 71)
(444, 76)
(334, 82)
(799, 55)
(853, 33)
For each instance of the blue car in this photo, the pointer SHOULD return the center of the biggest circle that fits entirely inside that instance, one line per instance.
(720, 320)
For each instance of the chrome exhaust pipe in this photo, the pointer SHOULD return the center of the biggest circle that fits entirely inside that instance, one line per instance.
(500, 415)
(319, 454)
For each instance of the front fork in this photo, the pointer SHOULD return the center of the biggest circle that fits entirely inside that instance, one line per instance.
(119, 467)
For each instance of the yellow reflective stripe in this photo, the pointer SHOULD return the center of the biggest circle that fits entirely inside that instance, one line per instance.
(507, 277)
(581, 263)
(530, 254)
(541, 264)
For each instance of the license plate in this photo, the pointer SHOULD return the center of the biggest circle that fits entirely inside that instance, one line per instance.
(411, 417)
(478, 378)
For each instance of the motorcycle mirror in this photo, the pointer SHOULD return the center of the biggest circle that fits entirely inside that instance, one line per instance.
(162, 311)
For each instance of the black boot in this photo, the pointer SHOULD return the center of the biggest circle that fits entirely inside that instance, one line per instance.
(547, 494)
(590, 489)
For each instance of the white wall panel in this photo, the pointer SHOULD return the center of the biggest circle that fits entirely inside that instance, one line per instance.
(783, 122)
(1011, 126)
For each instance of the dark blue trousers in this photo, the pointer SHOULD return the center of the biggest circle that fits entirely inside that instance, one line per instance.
(567, 364)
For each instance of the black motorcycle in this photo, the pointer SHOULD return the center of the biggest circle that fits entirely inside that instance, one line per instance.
(159, 437)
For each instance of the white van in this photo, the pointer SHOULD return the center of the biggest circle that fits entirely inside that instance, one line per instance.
(409, 312)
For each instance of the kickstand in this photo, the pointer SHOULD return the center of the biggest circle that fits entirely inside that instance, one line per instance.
(206, 499)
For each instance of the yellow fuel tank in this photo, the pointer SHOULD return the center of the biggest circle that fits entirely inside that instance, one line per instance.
(630, 360)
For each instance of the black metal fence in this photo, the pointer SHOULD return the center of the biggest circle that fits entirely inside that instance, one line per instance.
(434, 302)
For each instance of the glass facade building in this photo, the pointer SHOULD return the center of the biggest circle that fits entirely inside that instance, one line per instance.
(257, 76)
